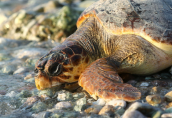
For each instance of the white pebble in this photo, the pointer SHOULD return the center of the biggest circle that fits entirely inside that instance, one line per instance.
(11, 94)
(166, 115)
(100, 102)
(61, 97)
(144, 84)
(63, 105)
(116, 103)
(133, 114)
(20, 70)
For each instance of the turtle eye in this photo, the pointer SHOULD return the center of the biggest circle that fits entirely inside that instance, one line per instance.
(55, 69)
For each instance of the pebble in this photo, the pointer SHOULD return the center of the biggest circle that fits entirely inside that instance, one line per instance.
(163, 91)
(44, 97)
(100, 102)
(96, 116)
(144, 90)
(9, 69)
(57, 115)
(148, 78)
(133, 114)
(132, 82)
(85, 4)
(160, 83)
(155, 90)
(3, 18)
(166, 115)
(51, 5)
(170, 89)
(2, 92)
(169, 110)
(78, 95)
(29, 52)
(120, 111)
(30, 101)
(81, 101)
(70, 114)
(24, 94)
(31, 75)
(21, 70)
(4, 56)
(107, 110)
(90, 100)
(47, 92)
(31, 81)
(11, 94)
(93, 109)
(168, 96)
(64, 96)
(44, 114)
(164, 105)
(169, 105)
(144, 84)
(66, 1)
(117, 103)
(157, 114)
(80, 107)
(153, 99)
(144, 108)
(63, 105)
(31, 61)
(81, 104)
(9, 103)
(5, 44)
(38, 107)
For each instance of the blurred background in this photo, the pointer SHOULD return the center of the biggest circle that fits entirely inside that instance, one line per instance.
(38, 20)
(28, 30)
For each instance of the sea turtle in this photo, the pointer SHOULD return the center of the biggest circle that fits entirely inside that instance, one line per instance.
(113, 36)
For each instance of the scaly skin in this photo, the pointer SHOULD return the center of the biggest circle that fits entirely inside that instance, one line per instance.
(62, 64)
(110, 40)
(105, 82)
(124, 54)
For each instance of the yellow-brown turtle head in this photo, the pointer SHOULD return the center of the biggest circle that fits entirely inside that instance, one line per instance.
(63, 64)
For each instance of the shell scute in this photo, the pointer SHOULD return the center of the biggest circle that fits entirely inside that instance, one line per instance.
(146, 18)
(76, 59)
(69, 52)
(76, 49)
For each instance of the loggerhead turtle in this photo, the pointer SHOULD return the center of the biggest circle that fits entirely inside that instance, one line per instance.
(113, 36)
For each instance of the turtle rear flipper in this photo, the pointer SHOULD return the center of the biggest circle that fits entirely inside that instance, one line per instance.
(102, 80)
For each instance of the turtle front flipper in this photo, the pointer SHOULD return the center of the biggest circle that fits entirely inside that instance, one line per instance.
(102, 80)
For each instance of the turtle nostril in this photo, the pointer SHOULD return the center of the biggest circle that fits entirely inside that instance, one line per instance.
(39, 67)
(36, 70)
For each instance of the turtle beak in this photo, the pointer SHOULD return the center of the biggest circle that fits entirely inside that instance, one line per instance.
(42, 81)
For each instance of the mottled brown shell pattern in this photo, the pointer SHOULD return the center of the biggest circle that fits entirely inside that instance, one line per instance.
(150, 19)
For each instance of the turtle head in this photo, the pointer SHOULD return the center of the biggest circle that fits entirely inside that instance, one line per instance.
(63, 64)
